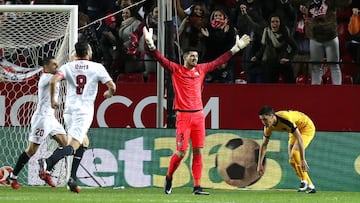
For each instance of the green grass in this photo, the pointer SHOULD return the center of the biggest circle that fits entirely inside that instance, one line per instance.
(41, 194)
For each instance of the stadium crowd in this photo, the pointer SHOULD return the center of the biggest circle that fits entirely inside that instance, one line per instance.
(292, 41)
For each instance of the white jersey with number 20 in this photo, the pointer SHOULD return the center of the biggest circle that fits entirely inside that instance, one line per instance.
(43, 121)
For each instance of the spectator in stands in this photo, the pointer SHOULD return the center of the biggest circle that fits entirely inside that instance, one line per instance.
(186, 3)
(88, 33)
(282, 8)
(250, 21)
(147, 7)
(109, 41)
(182, 12)
(229, 6)
(129, 63)
(150, 21)
(278, 48)
(303, 43)
(354, 42)
(122, 4)
(321, 28)
(219, 37)
(190, 34)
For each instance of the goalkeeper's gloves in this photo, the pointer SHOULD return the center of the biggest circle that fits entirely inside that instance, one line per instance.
(240, 43)
(148, 36)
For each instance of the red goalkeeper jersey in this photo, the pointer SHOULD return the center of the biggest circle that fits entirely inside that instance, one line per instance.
(188, 83)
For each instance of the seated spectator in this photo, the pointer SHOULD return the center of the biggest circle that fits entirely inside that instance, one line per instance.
(278, 48)
(354, 42)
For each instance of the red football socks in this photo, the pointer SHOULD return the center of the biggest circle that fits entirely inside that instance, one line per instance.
(174, 164)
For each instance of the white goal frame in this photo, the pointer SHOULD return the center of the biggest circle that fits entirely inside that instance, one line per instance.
(73, 32)
(72, 36)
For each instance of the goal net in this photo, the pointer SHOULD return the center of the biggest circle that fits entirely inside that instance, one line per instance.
(27, 35)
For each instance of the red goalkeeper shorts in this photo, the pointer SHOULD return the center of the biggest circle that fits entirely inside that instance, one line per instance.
(190, 125)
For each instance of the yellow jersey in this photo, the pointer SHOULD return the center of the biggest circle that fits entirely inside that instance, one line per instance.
(288, 121)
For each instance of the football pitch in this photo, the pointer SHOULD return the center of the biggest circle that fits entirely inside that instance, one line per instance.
(41, 194)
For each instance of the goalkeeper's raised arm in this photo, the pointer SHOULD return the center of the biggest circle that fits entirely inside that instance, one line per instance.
(240, 43)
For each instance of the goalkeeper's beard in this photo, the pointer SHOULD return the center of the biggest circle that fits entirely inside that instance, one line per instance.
(191, 64)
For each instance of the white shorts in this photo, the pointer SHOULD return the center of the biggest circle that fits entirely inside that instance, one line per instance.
(77, 125)
(42, 126)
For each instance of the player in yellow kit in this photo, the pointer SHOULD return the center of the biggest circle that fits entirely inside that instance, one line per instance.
(301, 131)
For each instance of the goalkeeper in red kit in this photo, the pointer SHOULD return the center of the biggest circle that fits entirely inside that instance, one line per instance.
(190, 120)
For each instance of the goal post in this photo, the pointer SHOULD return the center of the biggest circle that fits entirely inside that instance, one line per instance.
(25, 26)
(28, 33)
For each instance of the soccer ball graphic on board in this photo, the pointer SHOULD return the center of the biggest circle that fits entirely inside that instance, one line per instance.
(236, 162)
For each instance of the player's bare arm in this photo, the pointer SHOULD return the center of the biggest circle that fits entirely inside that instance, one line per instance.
(111, 89)
(263, 147)
(54, 80)
(290, 147)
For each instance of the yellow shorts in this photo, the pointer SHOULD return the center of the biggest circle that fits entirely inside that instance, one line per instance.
(307, 134)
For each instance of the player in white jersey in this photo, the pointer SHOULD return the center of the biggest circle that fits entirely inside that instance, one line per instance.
(82, 77)
(43, 121)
